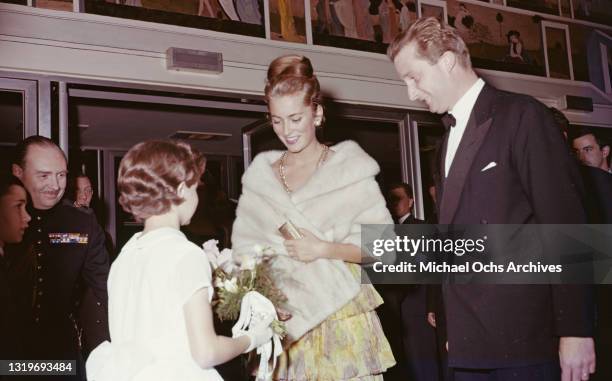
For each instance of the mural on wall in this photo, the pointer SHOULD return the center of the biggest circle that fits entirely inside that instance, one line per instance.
(58, 5)
(231, 16)
(544, 6)
(499, 40)
(247, 11)
(344, 23)
(287, 20)
(599, 11)
(557, 52)
(432, 10)
(581, 37)
(566, 8)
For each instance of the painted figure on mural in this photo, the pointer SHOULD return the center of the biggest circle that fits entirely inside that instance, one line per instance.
(346, 15)
(287, 24)
(362, 19)
(516, 53)
(374, 11)
(248, 11)
(405, 17)
(205, 9)
(389, 19)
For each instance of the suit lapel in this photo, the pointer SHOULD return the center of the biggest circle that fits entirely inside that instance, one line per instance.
(474, 135)
(439, 177)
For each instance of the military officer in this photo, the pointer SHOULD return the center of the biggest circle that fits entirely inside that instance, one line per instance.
(67, 257)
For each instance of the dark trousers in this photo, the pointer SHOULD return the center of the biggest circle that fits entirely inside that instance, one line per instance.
(391, 320)
(541, 372)
(419, 338)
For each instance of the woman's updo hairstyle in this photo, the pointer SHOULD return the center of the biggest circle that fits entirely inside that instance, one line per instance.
(150, 173)
(291, 74)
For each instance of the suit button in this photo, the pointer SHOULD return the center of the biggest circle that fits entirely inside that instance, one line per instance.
(39, 230)
(40, 280)
(39, 254)
(98, 304)
(39, 242)
(37, 320)
(37, 218)
(38, 306)
(38, 267)
(40, 293)
(98, 321)
(484, 222)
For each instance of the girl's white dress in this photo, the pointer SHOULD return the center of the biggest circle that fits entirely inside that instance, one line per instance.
(149, 283)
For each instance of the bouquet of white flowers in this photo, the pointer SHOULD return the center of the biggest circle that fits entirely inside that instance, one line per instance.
(233, 280)
(244, 292)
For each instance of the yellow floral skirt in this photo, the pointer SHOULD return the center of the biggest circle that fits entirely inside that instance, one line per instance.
(349, 345)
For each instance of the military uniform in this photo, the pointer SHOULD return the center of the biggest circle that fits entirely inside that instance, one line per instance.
(68, 257)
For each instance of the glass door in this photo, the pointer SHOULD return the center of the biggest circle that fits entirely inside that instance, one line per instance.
(424, 136)
(18, 115)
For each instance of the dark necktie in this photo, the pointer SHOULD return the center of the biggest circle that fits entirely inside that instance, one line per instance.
(448, 120)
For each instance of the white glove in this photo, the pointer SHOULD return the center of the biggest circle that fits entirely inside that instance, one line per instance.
(259, 332)
(256, 315)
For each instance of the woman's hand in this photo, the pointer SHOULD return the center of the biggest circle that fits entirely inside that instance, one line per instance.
(307, 248)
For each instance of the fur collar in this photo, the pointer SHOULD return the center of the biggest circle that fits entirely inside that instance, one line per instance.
(349, 164)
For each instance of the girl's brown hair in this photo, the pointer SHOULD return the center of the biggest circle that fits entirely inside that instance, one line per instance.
(150, 173)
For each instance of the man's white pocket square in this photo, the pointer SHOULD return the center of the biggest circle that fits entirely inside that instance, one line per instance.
(489, 166)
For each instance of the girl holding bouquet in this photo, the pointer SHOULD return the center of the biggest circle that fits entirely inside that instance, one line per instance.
(159, 287)
(327, 193)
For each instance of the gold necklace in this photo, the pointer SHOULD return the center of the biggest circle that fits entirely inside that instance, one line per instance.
(281, 166)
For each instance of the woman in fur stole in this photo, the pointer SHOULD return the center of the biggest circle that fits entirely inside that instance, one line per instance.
(327, 192)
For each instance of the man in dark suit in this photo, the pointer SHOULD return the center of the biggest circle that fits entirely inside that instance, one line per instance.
(594, 154)
(67, 254)
(413, 342)
(503, 161)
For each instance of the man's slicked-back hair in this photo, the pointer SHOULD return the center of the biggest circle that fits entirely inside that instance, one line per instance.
(581, 131)
(406, 187)
(21, 150)
(432, 39)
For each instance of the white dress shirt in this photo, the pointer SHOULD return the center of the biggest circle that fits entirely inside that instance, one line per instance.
(403, 218)
(461, 111)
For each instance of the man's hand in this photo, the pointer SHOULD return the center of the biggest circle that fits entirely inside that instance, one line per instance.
(577, 358)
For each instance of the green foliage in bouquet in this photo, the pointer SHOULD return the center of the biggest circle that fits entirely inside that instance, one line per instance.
(232, 283)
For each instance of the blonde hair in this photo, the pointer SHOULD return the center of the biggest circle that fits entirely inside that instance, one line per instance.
(292, 74)
(432, 39)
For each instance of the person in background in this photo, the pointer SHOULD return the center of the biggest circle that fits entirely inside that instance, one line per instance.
(82, 191)
(66, 249)
(14, 219)
(590, 149)
(413, 341)
(598, 202)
